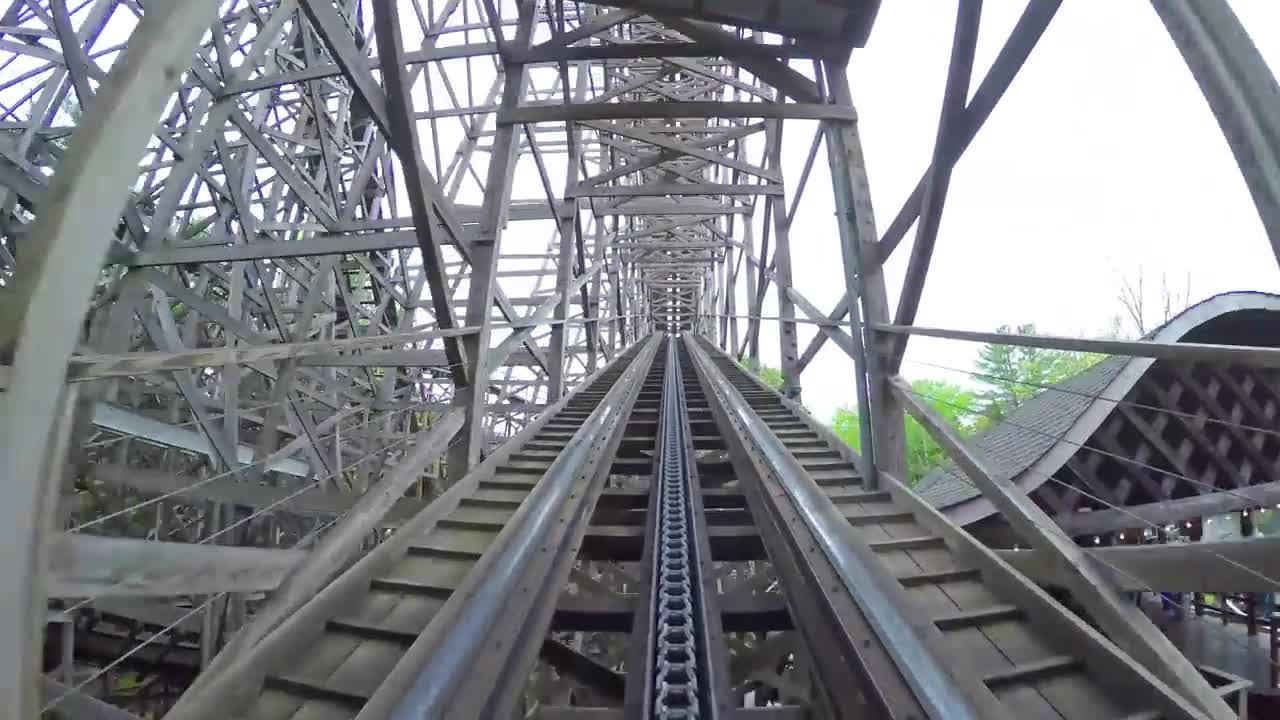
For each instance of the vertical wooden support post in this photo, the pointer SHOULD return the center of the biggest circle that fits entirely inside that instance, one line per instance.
(564, 269)
(880, 416)
(592, 312)
(567, 215)
(559, 330)
(753, 290)
(618, 325)
(787, 342)
(484, 262)
(1275, 651)
(731, 300)
(722, 305)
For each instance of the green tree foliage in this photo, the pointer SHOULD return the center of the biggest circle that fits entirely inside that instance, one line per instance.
(949, 400)
(1010, 374)
(771, 376)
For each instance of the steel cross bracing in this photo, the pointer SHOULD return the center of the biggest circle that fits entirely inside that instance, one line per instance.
(287, 273)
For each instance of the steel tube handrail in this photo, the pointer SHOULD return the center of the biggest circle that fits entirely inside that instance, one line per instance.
(920, 665)
(431, 691)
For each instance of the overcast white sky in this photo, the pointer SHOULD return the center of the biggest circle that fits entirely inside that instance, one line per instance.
(1102, 158)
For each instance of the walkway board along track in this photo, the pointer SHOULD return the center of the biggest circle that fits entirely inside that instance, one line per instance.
(334, 654)
(528, 589)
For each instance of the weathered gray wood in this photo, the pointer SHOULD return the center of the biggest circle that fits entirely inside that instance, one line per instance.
(82, 565)
(207, 698)
(1232, 566)
(651, 50)
(44, 308)
(187, 488)
(131, 423)
(1194, 425)
(1241, 91)
(1170, 511)
(672, 111)
(85, 367)
(1228, 421)
(912, 643)
(158, 613)
(1022, 40)
(865, 283)
(76, 705)
(772, 174)
(587, 670)
(1156, 440)
(788, 343)
(587, 26)
(403, 137)
(1114, 669)
(667, 189)
(483, 287)
(773, 71)
(322, 71)
(1141, 469)
(947, 149)
(340, 544)
(508, 619)
(1124, 623)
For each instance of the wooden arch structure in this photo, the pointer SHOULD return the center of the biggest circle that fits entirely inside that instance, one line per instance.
(1166, 440)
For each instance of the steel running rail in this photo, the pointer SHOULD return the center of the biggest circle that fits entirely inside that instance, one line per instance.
(934, 687)
(681, 688)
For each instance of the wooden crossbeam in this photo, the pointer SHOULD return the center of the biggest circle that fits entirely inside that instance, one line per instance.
(1230, 566)
(82, 565)
(1098, 522)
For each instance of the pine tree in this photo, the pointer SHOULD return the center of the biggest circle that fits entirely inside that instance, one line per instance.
(1011, 374)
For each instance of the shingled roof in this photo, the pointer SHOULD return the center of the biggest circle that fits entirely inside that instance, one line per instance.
(1055, 419)
(1027, 433)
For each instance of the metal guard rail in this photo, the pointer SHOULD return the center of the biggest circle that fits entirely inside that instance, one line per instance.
(933, 686)
(431, 692)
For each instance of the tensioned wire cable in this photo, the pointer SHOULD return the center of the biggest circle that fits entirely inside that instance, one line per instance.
(268, 508)
(1142, 521)
(1119, 401)
(1122, 509)
(312, 535)
(970, 410)
(229, 473)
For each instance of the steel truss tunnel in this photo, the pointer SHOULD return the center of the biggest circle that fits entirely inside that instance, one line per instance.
(385, 359)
